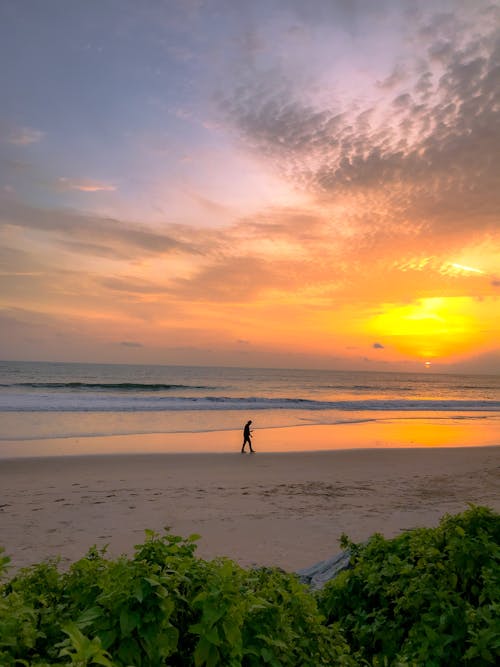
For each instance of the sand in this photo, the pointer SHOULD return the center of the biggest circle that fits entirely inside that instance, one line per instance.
(287, 510)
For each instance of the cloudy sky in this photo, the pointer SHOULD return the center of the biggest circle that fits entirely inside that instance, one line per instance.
(265, 183)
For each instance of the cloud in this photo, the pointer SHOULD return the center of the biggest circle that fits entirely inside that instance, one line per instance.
(131, 285)
(396, 78)
(428, 154)
(18, 261)
(455, 269)
(84, 185)
(94, 234)
(18, 165)
(21, 136)
(22, 322)
(487, 363)
(298, 226)
(347, 14)
(229, 279)
(130, 343)
(378, 346)
(313, 254)
(95, 249)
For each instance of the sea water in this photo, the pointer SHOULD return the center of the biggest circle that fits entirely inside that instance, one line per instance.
(40, 400)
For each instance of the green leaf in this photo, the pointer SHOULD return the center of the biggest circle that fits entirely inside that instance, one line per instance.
(138, 591)
(128, 621)
(88, 616)
(152, 582)
(232, 632)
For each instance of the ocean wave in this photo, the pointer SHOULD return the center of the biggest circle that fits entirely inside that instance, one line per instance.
(95, 402)
(107, 386)
(363, 388)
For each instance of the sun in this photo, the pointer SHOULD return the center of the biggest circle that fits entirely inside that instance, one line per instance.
(427, 364)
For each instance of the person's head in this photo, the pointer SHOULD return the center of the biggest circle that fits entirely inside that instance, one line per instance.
(249, 422)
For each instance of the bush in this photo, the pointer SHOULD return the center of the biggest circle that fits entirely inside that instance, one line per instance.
(164, 606)
(428, 597)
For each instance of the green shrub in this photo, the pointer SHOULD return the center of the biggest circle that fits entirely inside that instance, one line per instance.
(428, 597)
(164, 606)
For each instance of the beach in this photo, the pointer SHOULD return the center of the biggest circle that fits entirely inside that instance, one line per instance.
(97, 453)
(285, 509)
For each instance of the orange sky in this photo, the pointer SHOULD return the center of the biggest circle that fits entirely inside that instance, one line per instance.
(284, 186)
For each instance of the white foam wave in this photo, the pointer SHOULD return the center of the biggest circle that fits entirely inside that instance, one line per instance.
(95, 402)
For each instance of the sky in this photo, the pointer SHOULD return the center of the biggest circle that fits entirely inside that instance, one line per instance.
(274, 183)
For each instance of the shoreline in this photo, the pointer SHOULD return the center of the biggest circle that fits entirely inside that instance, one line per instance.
(271, 509)
(395, 433)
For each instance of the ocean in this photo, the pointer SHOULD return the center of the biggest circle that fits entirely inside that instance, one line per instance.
(41, 400)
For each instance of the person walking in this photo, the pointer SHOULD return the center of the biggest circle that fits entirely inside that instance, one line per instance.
(247, 437)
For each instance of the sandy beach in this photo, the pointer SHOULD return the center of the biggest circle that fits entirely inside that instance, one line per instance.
(283, 509)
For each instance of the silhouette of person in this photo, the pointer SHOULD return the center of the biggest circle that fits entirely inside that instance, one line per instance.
(247, 438)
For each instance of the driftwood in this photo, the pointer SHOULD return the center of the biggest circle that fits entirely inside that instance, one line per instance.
(319, 574)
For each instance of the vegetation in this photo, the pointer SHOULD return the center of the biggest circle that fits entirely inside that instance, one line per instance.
(428, 597)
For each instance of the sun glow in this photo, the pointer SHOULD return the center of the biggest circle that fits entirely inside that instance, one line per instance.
(428, 328)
